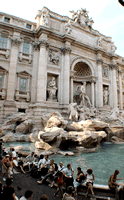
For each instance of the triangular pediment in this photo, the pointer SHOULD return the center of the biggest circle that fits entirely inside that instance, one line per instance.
(26, 73)
(2, 69)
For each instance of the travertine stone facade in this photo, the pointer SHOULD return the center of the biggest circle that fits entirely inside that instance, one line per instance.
(42, 63)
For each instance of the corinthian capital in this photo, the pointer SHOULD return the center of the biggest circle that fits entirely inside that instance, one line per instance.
(15, 41)
(66, 50)
(36, 46)
(43, 43)
(99, 61)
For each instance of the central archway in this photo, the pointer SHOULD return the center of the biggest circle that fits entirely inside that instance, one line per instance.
(82, 71)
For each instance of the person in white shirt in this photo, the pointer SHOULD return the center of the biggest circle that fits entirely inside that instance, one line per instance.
(61, 168)
(13, 154)
(29, 160)
(89, 178)
(68, 175)
(44, 165)
(28, 195)
(50, 172)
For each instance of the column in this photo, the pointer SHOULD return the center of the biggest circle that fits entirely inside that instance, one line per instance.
(12, 69)
(17, 88)
(8, 48)
(28, 92)
(120, 90)
(4, 86)
(92, 89)
(21, 50)
(4, 82)
(72, 90)
(42, 72)
(99, 87)
(34, 72)
(114, 84)
(66, 75)
(30, 53)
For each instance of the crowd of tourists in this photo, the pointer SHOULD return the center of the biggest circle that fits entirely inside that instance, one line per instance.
(59, 176)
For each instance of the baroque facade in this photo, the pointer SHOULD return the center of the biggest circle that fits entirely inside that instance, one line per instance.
(42, 64)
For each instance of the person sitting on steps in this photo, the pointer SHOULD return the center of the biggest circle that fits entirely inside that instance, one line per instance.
(89, 178)
(50, 172)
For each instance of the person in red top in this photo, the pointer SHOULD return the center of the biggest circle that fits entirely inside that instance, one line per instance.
(59, 185)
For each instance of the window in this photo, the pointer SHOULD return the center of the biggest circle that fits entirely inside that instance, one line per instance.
(3, 41)
(26, 48)
(1, 81)
(23, 82)
(28, 26)
(7, 19)
(21, 110)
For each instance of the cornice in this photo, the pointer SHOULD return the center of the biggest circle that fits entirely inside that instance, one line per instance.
(58, 36)
(18, 28)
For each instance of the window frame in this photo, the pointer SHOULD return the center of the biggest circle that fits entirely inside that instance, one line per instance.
(28, 26)
(21, 89)
(3, 41)
(6, 19)
(26, 46)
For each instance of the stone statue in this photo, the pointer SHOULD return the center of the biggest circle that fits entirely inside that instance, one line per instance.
(105, 96)
(72, 111)
(68, 27)
(105, 72)
(90, 22)
(99, 42)
(113, 48)
(85, 112)
(83, 96)
(54, 57)
(81, 17)
(52, 90)
(75, 15)
(45, 17)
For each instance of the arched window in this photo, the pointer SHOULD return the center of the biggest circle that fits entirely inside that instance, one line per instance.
(81, 69)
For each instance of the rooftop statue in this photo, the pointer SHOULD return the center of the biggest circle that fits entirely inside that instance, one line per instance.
(81, 17)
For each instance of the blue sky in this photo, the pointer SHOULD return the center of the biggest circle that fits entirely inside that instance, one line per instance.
(108, 15)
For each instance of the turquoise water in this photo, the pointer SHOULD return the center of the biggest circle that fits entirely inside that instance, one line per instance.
(103, 162)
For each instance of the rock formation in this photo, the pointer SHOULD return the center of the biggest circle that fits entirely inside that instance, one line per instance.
(59, 134)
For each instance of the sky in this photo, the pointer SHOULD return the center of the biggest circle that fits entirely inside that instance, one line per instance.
(108, 15)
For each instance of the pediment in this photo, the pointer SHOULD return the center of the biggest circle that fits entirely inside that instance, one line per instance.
(2, 69)
(25, 73)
